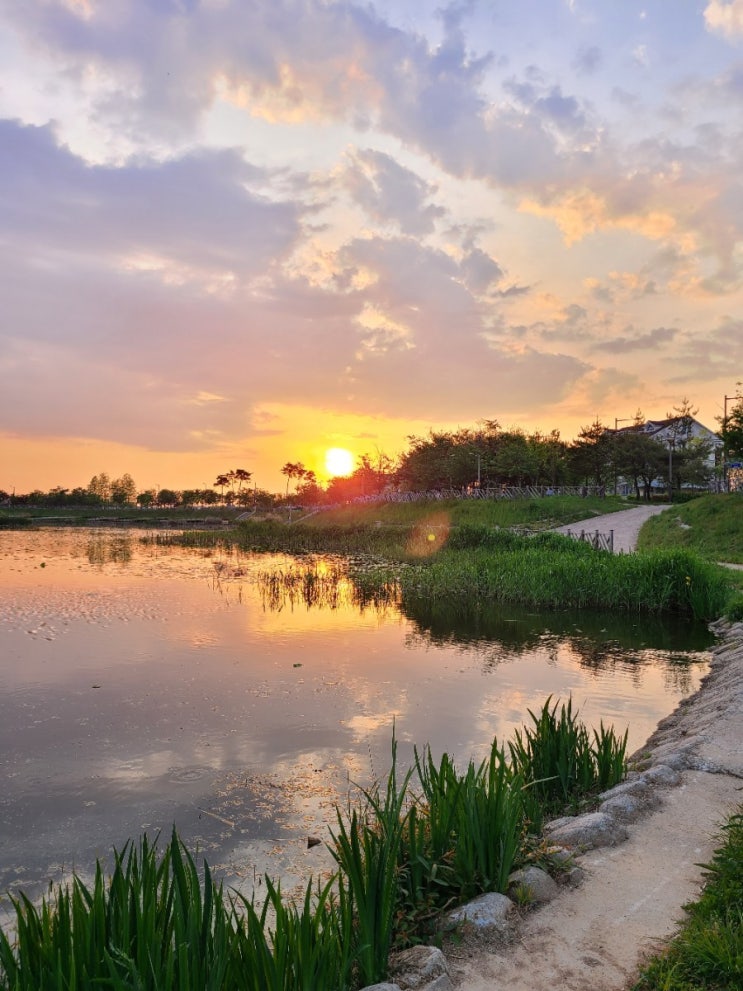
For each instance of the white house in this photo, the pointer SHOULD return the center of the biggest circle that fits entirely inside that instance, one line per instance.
(676, 432)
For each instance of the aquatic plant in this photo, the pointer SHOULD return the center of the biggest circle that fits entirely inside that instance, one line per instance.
(557, 759)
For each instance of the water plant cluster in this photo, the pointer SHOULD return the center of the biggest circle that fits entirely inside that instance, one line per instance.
(550, 571)
(404, 855)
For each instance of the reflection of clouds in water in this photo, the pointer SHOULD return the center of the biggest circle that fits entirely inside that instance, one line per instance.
(246, 726)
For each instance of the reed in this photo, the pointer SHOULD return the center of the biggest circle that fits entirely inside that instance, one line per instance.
(555, 573)
(152, 925)
(367, 851)
(556, 757)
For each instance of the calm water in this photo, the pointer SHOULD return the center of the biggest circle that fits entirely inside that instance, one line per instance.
(144, 686)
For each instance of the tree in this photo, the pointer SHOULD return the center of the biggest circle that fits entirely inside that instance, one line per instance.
(123, 490)
(591, 454)
(638, 457)
(100, 485)
(167, 497)
(241, 476)
(220, 483)
(147, 499)
(293, 470)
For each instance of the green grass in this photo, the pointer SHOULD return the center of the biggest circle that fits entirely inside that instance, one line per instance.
(538, 513)
(711, 526)
(554, 572)
(707, 954)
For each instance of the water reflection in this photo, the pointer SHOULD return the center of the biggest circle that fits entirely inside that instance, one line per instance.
(104, 549)
(238, 695)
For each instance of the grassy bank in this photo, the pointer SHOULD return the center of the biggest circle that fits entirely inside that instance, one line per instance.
(554, 572)
(450, 558)
(711, 526)
(404, 857)
(707, 954)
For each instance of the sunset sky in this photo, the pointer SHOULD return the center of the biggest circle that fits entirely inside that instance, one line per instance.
(236, 233)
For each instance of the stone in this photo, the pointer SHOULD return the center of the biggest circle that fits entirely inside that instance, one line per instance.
(594, 829)
(485, 912)
(663, 775)
(532, 884)
(418, 966)
(623, 807)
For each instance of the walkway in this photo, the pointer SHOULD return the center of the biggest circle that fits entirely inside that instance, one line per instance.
(626, 525)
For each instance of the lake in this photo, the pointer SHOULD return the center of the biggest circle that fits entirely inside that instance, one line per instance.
(145, 686)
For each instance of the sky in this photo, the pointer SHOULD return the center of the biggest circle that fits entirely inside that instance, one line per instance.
(235, 233)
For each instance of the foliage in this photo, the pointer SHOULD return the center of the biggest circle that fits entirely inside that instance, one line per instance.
(557, 759)
(707, 954)
(591, 452)
(550, 571)
(368, 851)
(482, 457)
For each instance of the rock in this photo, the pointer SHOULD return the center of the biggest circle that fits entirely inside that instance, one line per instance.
(625, 808)
(487, 911)
(418, 966)
(382, 987)
(632, 786)
(663, 775)
(588, 831)
(532, 884)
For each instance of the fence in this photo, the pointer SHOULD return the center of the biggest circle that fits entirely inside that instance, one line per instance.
(599, 541)
(496, 492)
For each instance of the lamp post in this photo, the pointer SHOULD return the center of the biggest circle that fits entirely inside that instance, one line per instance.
(671, 443)
(724, 441)
(617, 421)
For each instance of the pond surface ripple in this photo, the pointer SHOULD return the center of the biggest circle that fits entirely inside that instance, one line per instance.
(146, 686)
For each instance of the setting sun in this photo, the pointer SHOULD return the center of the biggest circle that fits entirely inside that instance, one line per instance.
(338, 461)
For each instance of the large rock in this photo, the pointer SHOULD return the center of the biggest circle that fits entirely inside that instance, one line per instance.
(420, 967)
(533, 885)
(486, 912)
(594, 829)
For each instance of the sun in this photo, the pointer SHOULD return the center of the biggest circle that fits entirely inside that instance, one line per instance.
(338, 461)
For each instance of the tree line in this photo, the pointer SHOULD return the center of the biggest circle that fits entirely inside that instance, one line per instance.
(485, 456)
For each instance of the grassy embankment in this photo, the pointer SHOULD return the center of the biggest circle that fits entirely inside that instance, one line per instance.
(460, 552)
(712, 526)
(403, 857)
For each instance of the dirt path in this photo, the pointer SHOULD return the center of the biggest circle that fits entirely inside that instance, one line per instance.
(626, 525)
(594, 937)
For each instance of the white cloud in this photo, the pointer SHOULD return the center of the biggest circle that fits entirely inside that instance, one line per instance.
(725, 17)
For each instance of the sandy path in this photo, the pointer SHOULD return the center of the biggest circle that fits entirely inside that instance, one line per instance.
(594, 937)
(625, 524)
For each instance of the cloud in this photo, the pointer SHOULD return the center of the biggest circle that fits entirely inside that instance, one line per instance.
(649, 341)
(725, 17)
(184, 216)
(390, 193)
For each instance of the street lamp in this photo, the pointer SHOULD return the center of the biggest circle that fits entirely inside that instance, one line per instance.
(617, 421)
(724, 441)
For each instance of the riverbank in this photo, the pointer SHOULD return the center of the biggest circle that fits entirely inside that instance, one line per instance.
(596, 936)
